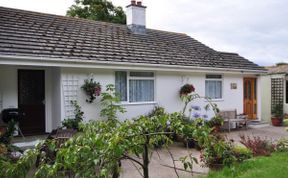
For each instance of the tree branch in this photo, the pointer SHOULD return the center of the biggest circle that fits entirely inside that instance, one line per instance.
(172, 157)
(132, 159)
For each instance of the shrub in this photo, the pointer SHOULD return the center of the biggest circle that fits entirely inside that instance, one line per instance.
(282, 145)
(242, 153)
(285, 122)
(217, 151)
(216, 121)
(258, 146)
(8, 135)
(157, 111)
(110, 103)
(73, 123)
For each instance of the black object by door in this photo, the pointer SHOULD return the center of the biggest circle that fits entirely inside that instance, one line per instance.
(31, 101)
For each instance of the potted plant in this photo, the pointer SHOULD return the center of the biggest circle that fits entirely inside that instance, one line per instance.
(277, 115)
(216, 122)
(92, 89)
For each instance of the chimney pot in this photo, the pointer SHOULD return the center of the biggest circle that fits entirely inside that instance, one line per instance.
(139, 3)
(133, 2)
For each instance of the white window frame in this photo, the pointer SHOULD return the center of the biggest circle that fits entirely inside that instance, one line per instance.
(138, 78)
(222, 86)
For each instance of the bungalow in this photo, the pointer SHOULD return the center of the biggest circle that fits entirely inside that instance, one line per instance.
(44, 60)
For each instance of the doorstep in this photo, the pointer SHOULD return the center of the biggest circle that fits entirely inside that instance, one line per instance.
(28, 142)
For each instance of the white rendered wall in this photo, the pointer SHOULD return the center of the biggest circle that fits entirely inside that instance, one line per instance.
(266, 97)
(8, 86)
(56, 97)
(167, 85)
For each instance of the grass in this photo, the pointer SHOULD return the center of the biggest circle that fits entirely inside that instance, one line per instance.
(274, 166)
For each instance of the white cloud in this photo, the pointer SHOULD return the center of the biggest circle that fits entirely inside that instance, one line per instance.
(257, 30)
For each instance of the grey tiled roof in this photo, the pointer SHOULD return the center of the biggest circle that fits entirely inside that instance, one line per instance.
(25, 33)
(278, 69)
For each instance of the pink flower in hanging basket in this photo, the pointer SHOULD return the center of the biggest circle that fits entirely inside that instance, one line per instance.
(98, 90)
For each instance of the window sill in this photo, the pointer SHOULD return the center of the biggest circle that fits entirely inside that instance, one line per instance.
(217, 100)
(138, 103)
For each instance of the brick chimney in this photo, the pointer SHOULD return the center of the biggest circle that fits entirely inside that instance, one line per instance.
(136, 17)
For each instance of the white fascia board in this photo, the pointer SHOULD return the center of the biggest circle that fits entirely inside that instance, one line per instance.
(76, 63)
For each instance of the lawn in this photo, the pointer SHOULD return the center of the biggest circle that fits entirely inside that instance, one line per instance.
(262, 167)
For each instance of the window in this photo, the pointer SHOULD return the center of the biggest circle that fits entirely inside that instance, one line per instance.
(213, 86)
(135, 86)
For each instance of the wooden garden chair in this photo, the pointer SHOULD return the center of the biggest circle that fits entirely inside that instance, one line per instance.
(231, 116)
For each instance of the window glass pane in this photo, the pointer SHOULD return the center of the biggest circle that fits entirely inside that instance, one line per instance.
(214, 76)
(249, 88)
(121, 84)
(141, 74)
(255, 89)
(141, 90)
(213, 89)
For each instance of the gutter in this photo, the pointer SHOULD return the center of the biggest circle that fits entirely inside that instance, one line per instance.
(76, 63)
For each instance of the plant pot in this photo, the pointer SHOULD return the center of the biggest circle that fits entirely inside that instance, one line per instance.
(190, 143)
(179, 138)
(276, 121)
(216, 128)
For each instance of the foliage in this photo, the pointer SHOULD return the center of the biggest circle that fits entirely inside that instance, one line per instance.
(216, 121)
(217, 151)
(21, 167)
(3, 149)
(264, 167)
(242, 153)
(8, 135)
(258, 146)
(114, 141)
(157, 111)
(109, 103)
(186, 89)
(102, 10)
(92, 89)
(99, 148)
(277, 111)
(285, 122)
(282, 145)
(73, 123)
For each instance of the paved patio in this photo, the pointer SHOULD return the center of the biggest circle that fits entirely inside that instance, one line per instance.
(157, 170)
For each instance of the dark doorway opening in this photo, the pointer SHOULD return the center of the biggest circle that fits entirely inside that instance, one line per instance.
(31, 101)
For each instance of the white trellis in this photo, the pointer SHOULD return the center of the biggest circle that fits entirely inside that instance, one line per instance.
(70, 93)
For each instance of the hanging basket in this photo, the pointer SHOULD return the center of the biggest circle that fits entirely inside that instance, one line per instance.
(186, 89)
(92, 89)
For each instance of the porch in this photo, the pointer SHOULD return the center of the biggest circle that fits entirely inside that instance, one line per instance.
(36, 92)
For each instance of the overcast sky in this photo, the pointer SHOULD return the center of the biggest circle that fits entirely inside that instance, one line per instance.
(256, 29)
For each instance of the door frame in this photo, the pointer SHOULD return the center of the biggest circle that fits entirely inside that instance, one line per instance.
(254, 91)
(46, 94)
